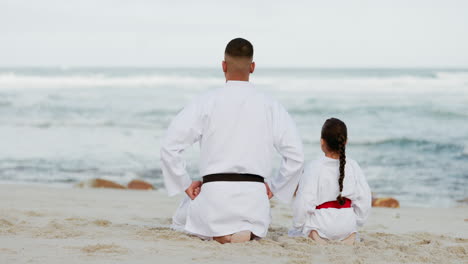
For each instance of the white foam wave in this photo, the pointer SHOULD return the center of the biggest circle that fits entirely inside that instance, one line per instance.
(402, 84)
(465, 150)
(462, 75)
(12, 80)
(443, 82)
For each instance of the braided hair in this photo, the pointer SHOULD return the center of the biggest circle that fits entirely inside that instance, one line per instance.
(335, 134)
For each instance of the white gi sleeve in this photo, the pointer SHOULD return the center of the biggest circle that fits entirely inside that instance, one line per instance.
(306, 197)
(289, 145)
(184, 130)
(363, 202)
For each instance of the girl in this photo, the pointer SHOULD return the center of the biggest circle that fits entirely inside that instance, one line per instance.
(333, 196)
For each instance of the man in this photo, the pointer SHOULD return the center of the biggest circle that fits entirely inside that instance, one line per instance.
(238, 129)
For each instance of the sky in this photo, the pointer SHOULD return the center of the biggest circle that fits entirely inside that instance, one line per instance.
(172, 33)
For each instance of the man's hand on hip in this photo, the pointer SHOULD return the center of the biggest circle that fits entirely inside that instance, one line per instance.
(194, 189)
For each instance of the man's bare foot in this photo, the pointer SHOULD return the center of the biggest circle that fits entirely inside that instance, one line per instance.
(242, 236)
(350, 239)
(239, 237)
(315, 236)
(223, 239)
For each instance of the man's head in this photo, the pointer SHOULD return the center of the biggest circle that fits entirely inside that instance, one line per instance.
(238, 58)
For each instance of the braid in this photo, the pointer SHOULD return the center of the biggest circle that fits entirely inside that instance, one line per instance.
(342, 150)
(335, 134)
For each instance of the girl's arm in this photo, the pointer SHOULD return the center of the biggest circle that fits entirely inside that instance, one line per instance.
(306, 197)
(363, 202)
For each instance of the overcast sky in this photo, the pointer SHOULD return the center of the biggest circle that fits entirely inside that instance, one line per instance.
(327, 33)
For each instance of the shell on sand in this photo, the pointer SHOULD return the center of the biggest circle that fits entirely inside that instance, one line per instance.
(139, 185)
(386, 202)
(100, 183)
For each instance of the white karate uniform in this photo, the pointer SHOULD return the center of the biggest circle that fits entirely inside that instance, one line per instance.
(319, 184)
(239, 129)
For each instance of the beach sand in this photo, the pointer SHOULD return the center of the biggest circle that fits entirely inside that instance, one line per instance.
(40, 224)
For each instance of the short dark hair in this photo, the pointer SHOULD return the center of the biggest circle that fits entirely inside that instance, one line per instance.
(239, 47)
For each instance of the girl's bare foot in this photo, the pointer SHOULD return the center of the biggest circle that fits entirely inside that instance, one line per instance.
(350, 239)
(315, 236)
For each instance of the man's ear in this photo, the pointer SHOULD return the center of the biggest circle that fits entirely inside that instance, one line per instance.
(224, 66)
(252, 67)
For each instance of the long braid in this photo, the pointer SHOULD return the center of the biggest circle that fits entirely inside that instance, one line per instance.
(342, 150)
(335, 134)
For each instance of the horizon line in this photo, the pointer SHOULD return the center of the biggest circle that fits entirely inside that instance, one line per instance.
(66, 67)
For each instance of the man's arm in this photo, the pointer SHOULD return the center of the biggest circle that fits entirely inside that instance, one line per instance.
(289, 145)
(184, 130)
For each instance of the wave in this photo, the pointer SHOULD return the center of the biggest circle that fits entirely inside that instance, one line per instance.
(452, 75)
(288, 81)
(449, 114)
(70, 171)
(125, 124)
(4, 103)
(312, 109)
(409, 142)
(12, 80)
(465, 151)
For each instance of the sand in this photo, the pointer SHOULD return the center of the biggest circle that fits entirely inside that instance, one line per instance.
(40, 224)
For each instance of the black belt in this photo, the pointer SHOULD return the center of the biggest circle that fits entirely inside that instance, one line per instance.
(232, 177)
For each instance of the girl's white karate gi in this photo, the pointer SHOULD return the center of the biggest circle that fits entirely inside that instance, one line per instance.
(239, 130)
(319, 184)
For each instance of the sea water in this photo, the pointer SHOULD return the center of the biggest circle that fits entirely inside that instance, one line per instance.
(408, 128)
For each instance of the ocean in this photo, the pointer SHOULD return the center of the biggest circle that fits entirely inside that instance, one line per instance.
(407, 128)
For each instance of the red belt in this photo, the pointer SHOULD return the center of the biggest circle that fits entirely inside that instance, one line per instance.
(335, 204)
